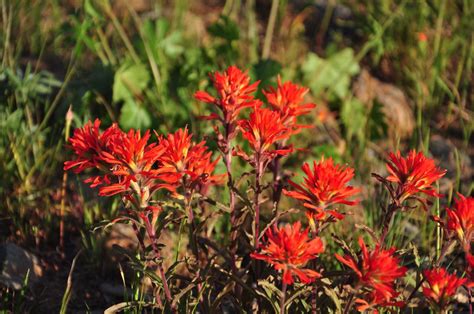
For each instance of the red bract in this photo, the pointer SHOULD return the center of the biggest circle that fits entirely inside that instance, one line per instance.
(374, 300)
(441, 286)
(288, 99)
(461, 220)
(132, 160)
(414, 174)
(289, 249)
(190, 160)
(470, 269)
(263, 129)
(234, 93)
(324, 186)
(88, 143)
(377, 270)
(124, 158)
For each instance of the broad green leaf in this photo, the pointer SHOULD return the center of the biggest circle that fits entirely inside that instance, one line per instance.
(130, 80)
(224, 28)
(332, 74)
(134, 116)
(171, 45)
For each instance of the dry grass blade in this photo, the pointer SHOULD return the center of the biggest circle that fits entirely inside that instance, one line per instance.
(68, 292)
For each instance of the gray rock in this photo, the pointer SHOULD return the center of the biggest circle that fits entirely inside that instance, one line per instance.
(15, 263)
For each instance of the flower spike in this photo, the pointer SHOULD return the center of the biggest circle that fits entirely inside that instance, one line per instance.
(413, 174)
(289, 249)
(326, 185)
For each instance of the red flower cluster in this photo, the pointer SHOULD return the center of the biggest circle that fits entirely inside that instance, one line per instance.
(122, 157)
(413, 174)
(470, 269)
(234, 94)
(289, 249)
(324, 186)
(263, 129)
(132, 165)
(88, 143)
(288, 99)
(461, 220)
(441, 286)
(374, 300)
(192, 161)
(377, 270)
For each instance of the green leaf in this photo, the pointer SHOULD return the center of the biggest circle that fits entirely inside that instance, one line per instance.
(224, 28)
(334, 297)
(134, 116)
(172, 45)
(265, 70)
(130, 80)
(353, 115)
(332, 74)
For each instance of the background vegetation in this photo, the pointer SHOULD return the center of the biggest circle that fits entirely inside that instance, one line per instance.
(385, 75)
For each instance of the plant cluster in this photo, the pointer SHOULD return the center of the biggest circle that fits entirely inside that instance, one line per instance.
(164, 180)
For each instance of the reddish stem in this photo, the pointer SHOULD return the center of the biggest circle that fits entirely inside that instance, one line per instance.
(392, 208)
(191, 226)
(314, 306)
(192, 235)
(283, 298)
(151, 234)
(469, 291)
(258, 190)
(227, 157)
(277, 184)
(314, 233)
(61, 213)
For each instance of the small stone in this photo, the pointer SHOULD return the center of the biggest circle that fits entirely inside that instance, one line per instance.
(15, 263)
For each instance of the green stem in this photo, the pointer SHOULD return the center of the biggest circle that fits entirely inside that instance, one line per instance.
(270, 28)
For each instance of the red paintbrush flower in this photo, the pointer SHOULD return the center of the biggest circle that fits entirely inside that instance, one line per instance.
(374, 300)
(87, 143)
(460, 220)
(263, 129)
(234, 93)
(470, 269)
(132, 159)
(324, 186)
(123, 158)
(288, 99)
(413, 174)
(441, 286)
(377, 269)
(289, 249)
(190, 160)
